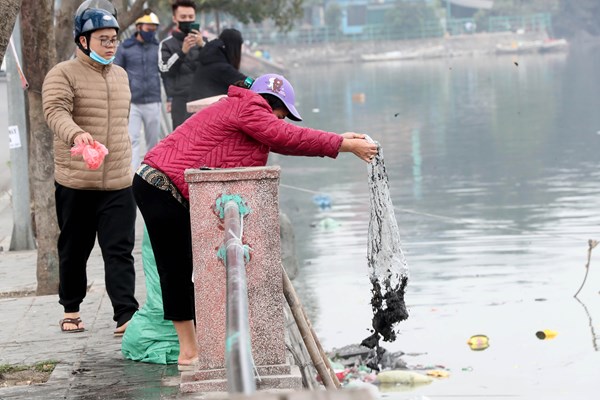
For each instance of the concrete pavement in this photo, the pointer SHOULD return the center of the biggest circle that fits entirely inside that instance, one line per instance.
(90, 363)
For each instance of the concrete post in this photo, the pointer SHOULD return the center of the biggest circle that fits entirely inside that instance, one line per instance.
(258, 187)
(22, 234)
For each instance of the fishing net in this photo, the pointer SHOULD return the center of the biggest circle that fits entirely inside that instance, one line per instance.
(388, 271)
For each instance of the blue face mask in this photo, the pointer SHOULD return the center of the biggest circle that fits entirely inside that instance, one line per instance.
(96, 57)
(148, 37)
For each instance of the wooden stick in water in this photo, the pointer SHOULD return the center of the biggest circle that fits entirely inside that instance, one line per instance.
(334, 377)
(305, 331)
(591, 245)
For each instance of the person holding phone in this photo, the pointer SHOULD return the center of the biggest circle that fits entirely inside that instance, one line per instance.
(178, 58)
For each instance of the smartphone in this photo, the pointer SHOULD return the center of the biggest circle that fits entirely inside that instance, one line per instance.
(194, 26)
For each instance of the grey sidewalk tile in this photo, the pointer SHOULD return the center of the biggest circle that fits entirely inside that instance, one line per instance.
(91, 365)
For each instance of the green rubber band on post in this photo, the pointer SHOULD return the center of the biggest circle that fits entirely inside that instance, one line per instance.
(224, 199)
(222, 253)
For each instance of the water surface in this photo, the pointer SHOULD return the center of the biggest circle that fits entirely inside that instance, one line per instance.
(493, 168)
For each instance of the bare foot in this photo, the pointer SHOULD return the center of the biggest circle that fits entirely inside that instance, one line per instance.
(187, 364)
(68, 326)
(187, 361)
(121, 330)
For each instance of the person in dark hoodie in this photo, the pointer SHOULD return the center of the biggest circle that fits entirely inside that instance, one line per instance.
(138, 55)
(218, 66)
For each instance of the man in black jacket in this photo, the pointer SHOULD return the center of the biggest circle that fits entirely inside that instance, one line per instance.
(179, 55)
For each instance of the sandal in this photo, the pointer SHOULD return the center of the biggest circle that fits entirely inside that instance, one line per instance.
(192, 366)
(118, 333)
(75, 321)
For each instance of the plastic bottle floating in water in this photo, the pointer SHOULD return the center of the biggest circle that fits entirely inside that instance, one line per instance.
(322, 200)
(546, 334)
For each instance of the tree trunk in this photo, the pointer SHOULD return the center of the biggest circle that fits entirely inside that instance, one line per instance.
(38, 57)
(63, 34)
(128, 17)
(9, 9)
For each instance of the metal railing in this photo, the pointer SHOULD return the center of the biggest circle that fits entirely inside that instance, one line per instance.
(378, 32)
(529, 23)
(239, 364)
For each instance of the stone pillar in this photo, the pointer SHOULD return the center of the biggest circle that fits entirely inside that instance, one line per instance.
(258, 187)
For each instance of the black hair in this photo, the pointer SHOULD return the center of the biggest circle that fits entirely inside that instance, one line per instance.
(232, 39)
(183, 3)
(88, 37)
(274, 101)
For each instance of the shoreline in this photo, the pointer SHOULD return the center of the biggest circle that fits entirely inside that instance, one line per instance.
(420, 49)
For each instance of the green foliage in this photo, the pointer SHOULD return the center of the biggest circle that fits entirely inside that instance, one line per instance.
(7, 368)
(333, 16)
(282, 12)
(45, 366)
(411, 16)
(42, 366)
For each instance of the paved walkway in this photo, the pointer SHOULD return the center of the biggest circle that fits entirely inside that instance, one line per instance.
(90, 363)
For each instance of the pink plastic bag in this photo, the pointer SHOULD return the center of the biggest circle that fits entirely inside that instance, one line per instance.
(93, 155)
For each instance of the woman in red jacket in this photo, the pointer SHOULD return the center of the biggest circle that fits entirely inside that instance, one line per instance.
(238, 131)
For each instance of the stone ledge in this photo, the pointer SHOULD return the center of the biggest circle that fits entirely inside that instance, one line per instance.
(292, 381)
(231, 174)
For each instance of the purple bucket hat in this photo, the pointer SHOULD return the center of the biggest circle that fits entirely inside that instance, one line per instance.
(279, 87)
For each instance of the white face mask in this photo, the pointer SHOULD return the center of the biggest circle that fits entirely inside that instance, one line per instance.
(96, 57)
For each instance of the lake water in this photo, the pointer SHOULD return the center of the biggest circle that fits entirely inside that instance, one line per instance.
(493, 169)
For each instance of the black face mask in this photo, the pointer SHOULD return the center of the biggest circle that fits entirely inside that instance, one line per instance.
(185, 26)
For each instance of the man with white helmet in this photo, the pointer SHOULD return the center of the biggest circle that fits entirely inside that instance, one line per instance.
(86, 100)
(138, 55)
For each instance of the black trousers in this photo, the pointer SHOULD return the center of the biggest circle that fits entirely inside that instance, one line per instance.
(168, 225)
(110, 214)
(179, 111)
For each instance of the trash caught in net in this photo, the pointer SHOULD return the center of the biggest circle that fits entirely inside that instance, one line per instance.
(388, 271)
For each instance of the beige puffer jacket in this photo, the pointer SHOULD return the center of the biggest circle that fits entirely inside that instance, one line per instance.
(81, 95)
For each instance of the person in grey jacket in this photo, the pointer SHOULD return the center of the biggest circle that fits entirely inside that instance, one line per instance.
(138, 55)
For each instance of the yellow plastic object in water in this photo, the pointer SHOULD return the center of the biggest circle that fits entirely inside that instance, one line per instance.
(403, 377)
(546, 334)
(438, 373)
(478, 342)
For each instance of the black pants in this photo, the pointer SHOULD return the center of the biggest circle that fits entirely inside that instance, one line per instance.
(82, 214)
(179, 111)
(168, 225)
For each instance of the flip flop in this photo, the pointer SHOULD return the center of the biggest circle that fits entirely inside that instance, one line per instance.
(120, 333)
(189, 367)
(75, 321)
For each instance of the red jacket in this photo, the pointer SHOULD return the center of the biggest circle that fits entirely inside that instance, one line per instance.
(237, 131)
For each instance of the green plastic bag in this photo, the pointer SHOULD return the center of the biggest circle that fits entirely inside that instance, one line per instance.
(149, 337)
